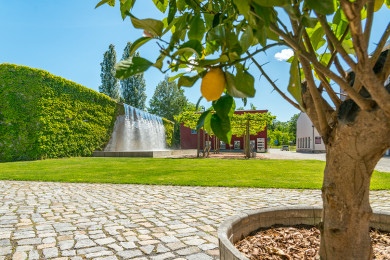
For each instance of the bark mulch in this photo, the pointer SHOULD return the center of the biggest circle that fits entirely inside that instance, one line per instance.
(299, 242)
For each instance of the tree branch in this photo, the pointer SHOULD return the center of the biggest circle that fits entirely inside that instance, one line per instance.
(384, 74)
(360, 101)
(324, 127)
(370, 18)
(336, 43)
(336, 101)
(274, 85)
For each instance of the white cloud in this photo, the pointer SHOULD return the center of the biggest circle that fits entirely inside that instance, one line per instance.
(285, 54)
(192, 61)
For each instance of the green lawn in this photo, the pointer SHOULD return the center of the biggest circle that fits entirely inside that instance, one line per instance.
(305, 174)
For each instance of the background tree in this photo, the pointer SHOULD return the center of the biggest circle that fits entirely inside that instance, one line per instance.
(323, 35)
(110, 85)
(167, 101)
(133, 88)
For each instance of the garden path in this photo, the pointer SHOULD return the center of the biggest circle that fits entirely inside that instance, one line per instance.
(41, 220)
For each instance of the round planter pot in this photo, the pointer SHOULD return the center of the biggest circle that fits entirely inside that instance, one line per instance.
(240, 226)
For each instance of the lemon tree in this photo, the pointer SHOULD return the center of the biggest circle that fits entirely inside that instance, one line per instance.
(333, 49)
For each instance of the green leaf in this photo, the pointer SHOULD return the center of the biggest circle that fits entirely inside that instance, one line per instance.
(159, 62)
(138, 43)
(170, 79)
(316, 35)
(294, 85)
(272, 3)
(310, 22)
(348, 46)
(185, 52)
(181, 5)
(125, 7)
(202, 119)
(218, 33)
(161, 5)
(172, 10)
(131, 66)
(387, 2)
(242, 6)
(322, 6)
(240, 86)
(221, 128)
(186, 81)
(246, 39)
(378, 5)
(153, 26)
(224, 106)
(195, 45)
(207, 62)
(197, 28)
(207, 124)
(110, 2)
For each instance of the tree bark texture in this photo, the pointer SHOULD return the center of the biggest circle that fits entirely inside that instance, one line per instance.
(353, 150)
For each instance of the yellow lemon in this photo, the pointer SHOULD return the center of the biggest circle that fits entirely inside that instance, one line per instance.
(213, 84)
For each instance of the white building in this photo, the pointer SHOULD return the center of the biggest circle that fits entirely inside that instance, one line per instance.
(308, 139)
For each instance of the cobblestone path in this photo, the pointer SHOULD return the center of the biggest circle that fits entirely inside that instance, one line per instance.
(112, 221)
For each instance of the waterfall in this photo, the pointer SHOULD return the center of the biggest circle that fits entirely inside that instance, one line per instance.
(137, 130)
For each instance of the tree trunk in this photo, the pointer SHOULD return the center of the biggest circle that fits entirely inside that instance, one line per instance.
(353, 150)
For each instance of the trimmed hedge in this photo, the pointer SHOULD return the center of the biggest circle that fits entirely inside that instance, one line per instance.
(169, 127)
(45, 116)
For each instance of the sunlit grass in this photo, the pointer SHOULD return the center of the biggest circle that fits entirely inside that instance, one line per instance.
(305, 174)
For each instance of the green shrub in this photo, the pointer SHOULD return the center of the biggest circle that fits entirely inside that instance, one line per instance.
(169, 127)
(45, 116)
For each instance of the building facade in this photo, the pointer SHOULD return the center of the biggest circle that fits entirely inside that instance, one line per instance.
(189, 138)
(308, 139)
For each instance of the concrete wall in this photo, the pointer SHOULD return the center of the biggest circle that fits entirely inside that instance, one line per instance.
(240, 226)
(308, 138)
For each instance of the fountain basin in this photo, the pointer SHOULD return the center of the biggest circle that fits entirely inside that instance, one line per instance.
(153, 154)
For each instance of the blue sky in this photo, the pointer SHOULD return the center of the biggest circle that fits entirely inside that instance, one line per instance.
(68, 38)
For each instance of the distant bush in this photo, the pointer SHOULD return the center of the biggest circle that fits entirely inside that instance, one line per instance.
(45, 116)
(169, 127)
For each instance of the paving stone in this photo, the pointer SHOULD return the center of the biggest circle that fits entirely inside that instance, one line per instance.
(33, 255)
(5, 242)
(120, 218)
(68, 252)
(175, 245)
(5, 250)
(169, 239)
(188, 250)
(147, 249)
(19, 256)
(163, 256)
(105, 241)
(200, 256)
(23, 248)
(84, 243)
(205, 247)
(89, 250)
(106, 258)
(128, 245)
(30, 241)
(195, 242)
(129, 253)
(161, 249)
(66, 244)
(50, 252)
(98, 254)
